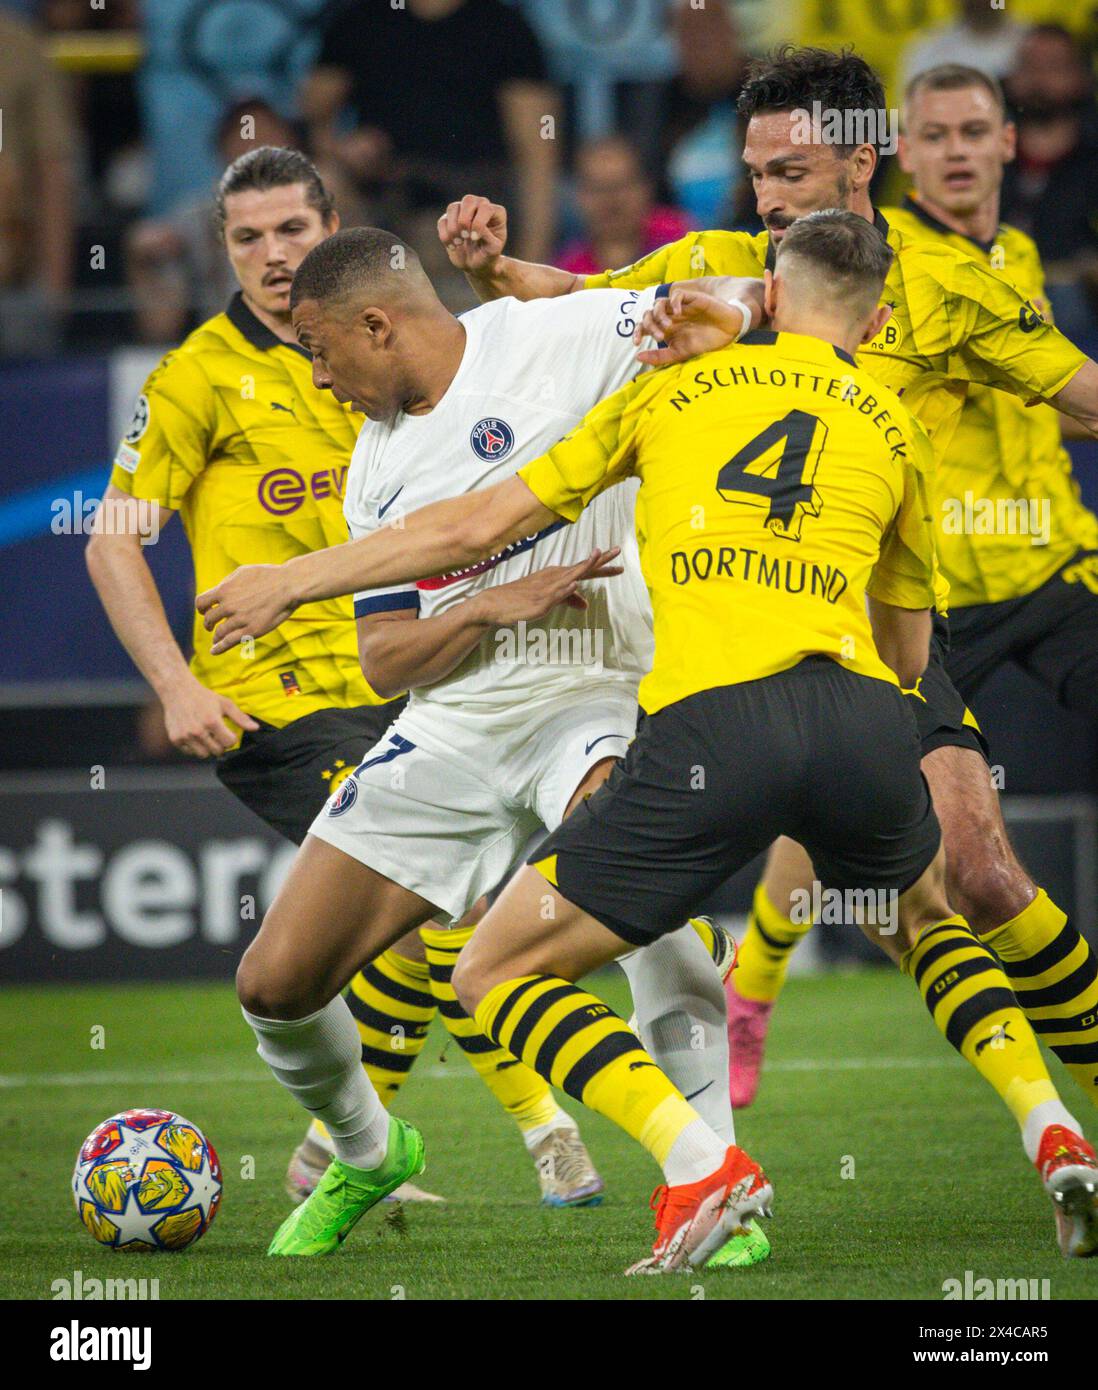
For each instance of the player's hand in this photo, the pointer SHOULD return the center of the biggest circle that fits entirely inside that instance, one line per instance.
(252, 601)
(687, 321)
(195, 720)
(539, 593)
(474, 233)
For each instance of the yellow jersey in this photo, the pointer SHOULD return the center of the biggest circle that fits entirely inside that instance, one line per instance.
(231, 432)
(1007, 504)
(780, 484)
(954, 322)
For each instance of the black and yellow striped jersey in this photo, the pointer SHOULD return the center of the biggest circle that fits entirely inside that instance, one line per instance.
(1007, 504)
(231, 432)
(780, 484)
(954, 322)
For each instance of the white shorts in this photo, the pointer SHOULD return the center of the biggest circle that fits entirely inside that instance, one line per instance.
(449, 824)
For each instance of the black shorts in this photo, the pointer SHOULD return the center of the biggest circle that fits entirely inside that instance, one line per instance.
(1052, 633)
(285, 775)
(941, 715)
(817, 753)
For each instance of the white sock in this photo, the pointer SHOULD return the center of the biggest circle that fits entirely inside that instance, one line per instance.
(683, 1023)
(319, 1061)
(695, 1154)
(561, 1120)
(1049, 1112)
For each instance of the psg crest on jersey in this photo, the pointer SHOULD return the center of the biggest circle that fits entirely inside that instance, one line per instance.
(345, 798)
(492, 439)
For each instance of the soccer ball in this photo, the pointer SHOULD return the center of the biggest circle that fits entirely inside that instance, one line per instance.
(147, 1180)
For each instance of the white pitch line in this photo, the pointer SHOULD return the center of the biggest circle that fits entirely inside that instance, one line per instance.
(14, 1080)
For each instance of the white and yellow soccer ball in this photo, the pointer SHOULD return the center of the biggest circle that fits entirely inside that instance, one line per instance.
(147, 1180)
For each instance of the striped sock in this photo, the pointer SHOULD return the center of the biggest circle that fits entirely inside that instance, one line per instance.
(971, 1003)
(765, 949)
(520, 1091)
(578, 1043)
(393, 1006)
(1054, 974)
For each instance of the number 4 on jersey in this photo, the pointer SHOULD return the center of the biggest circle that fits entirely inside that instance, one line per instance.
(775, 471)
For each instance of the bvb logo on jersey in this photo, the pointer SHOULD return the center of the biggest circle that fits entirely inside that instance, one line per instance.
(337, 774)
(888, 339)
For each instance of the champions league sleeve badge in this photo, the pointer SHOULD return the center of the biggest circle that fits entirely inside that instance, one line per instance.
(139, 421)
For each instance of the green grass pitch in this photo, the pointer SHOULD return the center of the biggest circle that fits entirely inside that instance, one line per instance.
(860, 1083)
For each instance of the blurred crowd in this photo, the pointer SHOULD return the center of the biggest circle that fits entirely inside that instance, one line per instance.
(607, 127)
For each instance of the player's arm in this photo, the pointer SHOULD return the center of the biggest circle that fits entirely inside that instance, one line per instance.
(699, 316)
(999, 338)
(399, 650)
(1079, 399)
(194, 716)
(399, 655)
(448, 535)
(903, 584)
(166, 449)
(474, 232)
(1071, 429)
(902, 636)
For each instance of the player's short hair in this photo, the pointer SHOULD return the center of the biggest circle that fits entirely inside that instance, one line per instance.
(791, 79)
(954, 77)
(845, 249)
(353, 260)
(273, 167)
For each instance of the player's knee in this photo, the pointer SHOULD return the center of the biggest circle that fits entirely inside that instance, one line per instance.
(987, 885)
(271, 989)
(466, 985)
(470, 981)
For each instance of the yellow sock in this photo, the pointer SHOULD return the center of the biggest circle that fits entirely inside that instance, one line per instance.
(1054, 975)
(393, 1006)
(521, 1092)
(766, 949)
(970, 1000)
(704, 928)
(578, 1043)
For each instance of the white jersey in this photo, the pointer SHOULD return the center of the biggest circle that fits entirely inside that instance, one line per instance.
(528, 375)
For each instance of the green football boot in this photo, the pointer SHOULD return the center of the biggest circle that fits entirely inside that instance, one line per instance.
(749, 1249)
(345, 1194)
